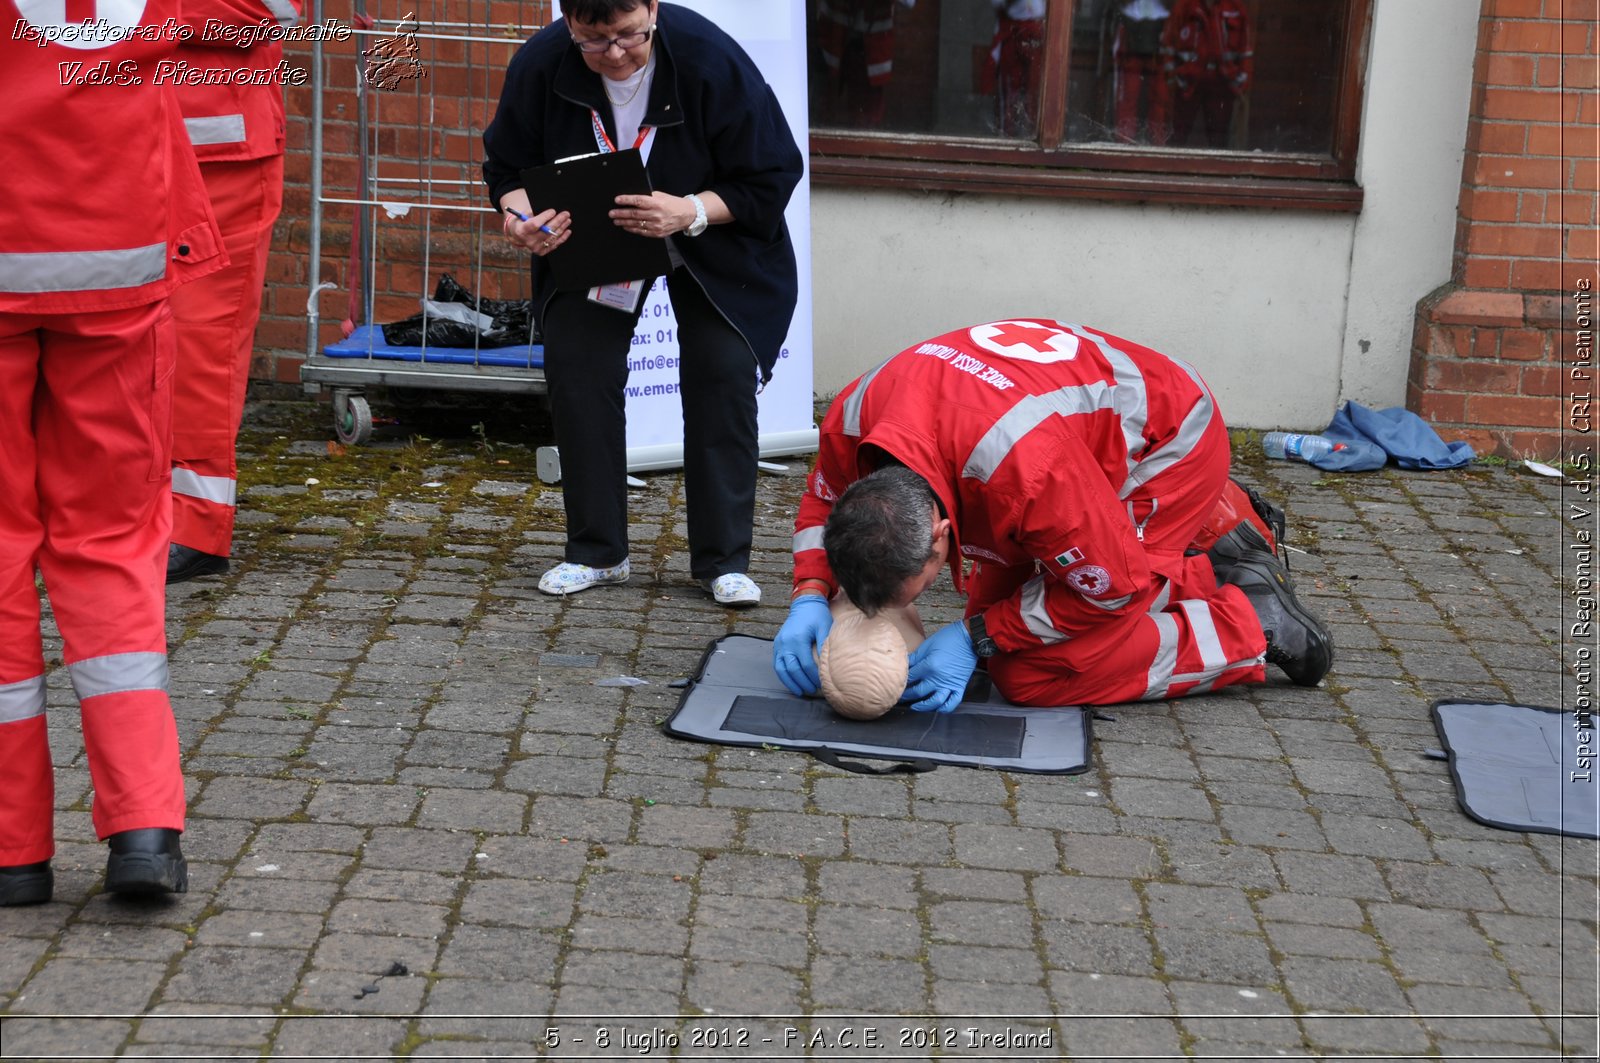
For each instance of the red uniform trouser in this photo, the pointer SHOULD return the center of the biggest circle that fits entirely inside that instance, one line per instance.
(1184, 635)
(85, 418)
(1141, 79)
(216, 318)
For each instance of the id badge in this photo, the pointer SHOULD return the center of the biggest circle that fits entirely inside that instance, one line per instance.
(624, 296)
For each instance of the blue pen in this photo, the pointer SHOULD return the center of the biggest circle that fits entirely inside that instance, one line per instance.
(517, 214)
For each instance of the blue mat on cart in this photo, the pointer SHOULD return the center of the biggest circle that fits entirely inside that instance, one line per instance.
(1522, 767)
(367, 342)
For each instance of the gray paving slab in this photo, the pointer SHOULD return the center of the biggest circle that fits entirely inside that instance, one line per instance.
(399, 757)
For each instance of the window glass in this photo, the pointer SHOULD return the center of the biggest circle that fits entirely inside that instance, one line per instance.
(1246, 75)
(958, 68)
(1243, 75)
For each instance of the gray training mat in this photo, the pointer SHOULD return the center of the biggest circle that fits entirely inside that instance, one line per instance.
(1522, 767)
(736, 700)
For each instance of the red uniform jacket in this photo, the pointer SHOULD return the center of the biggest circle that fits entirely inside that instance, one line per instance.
(1034, 435)
(1209, 41)
(240, 117)
(103, 206)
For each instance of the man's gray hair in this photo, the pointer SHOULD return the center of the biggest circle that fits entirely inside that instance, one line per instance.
(879, 535)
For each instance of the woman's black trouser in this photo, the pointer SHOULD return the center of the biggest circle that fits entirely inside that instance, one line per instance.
(586, 351)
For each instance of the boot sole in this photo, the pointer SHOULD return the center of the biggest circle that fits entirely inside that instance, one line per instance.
(33, 887)
(146, 874)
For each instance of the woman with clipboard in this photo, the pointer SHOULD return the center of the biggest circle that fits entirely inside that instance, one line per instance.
(722, 164)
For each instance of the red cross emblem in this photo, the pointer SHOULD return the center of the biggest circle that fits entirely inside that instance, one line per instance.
(1026, 340)
(51, 16)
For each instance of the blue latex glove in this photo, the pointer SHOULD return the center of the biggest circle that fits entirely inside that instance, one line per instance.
(940, 668)
(800, 637)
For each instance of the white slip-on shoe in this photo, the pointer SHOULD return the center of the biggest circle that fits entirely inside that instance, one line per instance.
(568, 578)
(733, 588)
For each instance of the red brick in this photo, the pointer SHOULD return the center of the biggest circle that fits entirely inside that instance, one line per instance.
(1543, 380)
(1575, 208)
(1513, 8)
(1522, 241)
(1532, 208)
(1542, 37)
(1523, 345)
(1474, 376)
(1440, 406)
(1557, 140)
(1536, 275)
(1541, 446)
(1577, 38)
(1585, 175)
(1578, 73)
(1502, 138)
(1513, 171)
(1509, 70)
(1528, 105)
(1548, 311)
(1548, 74)
(1574, 10)
(1489, 205)
(1574, 273)
(1464, 306)
(1583, 245)
(1486, 273)
(1513, 410)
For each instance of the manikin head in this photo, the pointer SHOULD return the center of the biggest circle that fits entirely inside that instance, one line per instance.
(863, 659)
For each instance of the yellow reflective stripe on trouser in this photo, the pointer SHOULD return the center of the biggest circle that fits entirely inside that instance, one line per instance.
(37, 272)
(223, 490)
(118, 673)
(22, 701)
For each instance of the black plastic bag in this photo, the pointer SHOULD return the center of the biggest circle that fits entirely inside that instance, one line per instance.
(511, 324)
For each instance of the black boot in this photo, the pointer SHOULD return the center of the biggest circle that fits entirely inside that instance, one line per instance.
(185, 563)
(26, 884)
(146, 862)
(1296, 641)
(1227, 550)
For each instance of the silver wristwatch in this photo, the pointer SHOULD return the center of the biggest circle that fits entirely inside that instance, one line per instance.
(699, 224)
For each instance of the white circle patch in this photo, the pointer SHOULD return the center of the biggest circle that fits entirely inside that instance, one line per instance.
(50, 17)
(1090, 580)
(1027, 341)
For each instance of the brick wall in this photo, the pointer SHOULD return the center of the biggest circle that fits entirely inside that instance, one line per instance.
(424, 134)
(1486, 361)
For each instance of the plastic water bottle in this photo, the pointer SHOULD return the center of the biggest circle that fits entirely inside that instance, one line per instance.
(1296, 446)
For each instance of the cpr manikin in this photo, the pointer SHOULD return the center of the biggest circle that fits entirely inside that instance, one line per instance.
(863, 660)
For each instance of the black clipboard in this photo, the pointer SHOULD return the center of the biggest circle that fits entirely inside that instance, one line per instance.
(599, 251)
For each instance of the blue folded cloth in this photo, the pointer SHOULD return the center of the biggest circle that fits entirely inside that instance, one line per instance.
(1372, 437)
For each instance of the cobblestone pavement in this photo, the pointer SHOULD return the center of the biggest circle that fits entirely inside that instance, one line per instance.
(423, 827)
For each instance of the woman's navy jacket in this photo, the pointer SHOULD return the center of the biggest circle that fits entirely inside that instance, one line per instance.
(720, 130)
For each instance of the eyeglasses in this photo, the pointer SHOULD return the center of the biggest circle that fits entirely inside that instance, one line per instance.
(603, 44)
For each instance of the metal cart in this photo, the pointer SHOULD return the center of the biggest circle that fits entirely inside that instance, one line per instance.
(422, 78)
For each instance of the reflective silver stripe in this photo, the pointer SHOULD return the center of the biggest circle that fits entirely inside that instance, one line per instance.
(1180, 446)
(852, 405)
(283, 11)
(1111, 606)
(1163, 596)
(222, 490)
(808, 539)
(1204, 629)
(1166, 658)
(1029, 413)
(217, 129)
(1036, 616)
(22, 701)
(1133, 400)
(33, 272)
(118, 673)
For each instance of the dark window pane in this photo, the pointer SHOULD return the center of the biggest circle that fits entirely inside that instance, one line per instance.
(1245, 75)
(958, 68)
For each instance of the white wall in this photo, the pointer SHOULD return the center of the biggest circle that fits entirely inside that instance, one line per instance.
(1412, 144)
(1270, 305)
